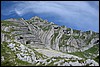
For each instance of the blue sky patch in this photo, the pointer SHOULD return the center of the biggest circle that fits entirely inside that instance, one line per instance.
(80, 15)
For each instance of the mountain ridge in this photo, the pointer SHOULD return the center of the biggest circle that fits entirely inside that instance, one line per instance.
(41, 34)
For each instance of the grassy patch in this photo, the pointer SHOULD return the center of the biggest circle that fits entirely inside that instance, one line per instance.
(12, 30)
(45, 28)
(76, 37)
(22, 63)
(76, 31)
(87, 32)
(7, 56)
(92, 49)
(8, 23)
(5, 32)
(64, 37)
(68, 29)
(97, 59)
(79, 54)
(10, 58)
(63, 26)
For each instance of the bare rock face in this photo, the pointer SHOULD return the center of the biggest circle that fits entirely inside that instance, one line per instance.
(31, 33)
(48, 37)
(49, 41)
(11, 19)
(57, 39)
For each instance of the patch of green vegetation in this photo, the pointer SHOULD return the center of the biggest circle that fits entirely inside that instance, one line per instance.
(31, 21)
(76, 31)
(64, 37)
(4, 46)
(28, 21)
(5, 32)
(7, 63)
(55, 35)
(79, 54)
(8, 36)
(22, 63)
(68, 29)
(48, 60)
(92, 49)
(87, 64)
(69, 60)
(81, 61)
(76, 37)
(8, 23)
(87, 32)
(45, 28)
(61, 63)
(63, 26)
(97, 59)
(61, 43)
(10, 58)
(7, 56)
(11, 30)
(35, 20)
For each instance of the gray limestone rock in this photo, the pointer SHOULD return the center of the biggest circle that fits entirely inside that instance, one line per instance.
(31, 33)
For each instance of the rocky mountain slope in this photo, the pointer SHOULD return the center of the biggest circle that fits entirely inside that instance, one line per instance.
(37, 42)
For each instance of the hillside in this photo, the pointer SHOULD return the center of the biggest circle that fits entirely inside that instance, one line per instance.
(37, 42)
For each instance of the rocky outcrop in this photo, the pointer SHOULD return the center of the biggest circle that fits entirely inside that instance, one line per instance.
(48, 38)
(91, 44)
(45, 37)
(57, 39)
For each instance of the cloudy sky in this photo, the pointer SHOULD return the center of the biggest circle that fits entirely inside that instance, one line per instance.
(80, 15)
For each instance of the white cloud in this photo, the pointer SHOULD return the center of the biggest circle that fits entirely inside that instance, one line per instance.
(64, 9)
(81, 12)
